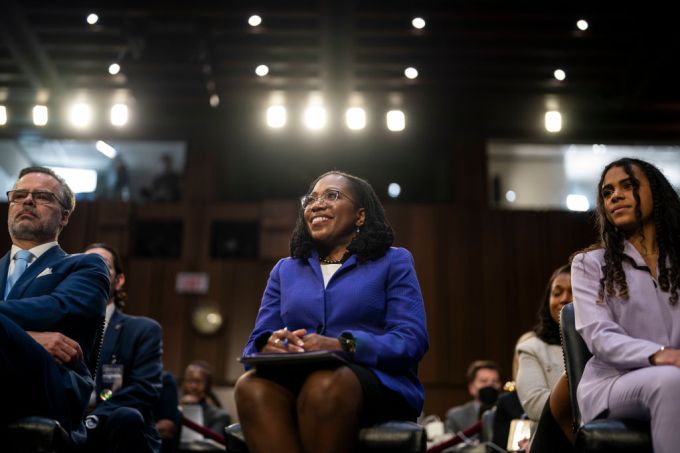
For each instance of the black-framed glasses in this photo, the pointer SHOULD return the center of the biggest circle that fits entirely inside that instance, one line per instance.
(39, 196)
(329, 196)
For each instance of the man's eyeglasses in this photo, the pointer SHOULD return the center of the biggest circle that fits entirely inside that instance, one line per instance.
(330, 196)
(39, 197)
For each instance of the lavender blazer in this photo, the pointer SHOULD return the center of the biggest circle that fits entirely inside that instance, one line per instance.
(621, 334)
(378, 302)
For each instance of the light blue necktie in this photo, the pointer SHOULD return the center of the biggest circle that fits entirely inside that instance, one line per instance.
(21, 259)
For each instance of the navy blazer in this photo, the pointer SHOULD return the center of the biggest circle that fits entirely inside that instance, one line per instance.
(379, 302)
(136, 343)
(67, 294)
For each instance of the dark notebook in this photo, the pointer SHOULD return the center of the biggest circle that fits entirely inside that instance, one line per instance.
(312, 358)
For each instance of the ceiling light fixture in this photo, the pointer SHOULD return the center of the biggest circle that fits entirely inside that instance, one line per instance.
(553, 121)
(396, 120)
(418, 22)
(411, 73)
(106, 149)
(254, 20)
(119, 115)
(40, 115)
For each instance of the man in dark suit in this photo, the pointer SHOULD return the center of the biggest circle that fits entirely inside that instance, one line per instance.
(128, 375)
(53, 306)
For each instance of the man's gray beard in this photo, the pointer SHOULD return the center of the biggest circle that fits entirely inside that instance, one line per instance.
(33, 233)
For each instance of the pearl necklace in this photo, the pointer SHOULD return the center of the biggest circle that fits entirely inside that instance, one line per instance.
(327, 260)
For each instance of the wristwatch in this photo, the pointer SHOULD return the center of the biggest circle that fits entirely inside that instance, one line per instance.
(348, 343)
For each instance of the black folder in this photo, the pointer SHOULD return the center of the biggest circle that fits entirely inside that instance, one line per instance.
(295, 359)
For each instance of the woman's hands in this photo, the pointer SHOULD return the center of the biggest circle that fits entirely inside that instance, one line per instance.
(666, 356)
(284, 340)
(316, 342)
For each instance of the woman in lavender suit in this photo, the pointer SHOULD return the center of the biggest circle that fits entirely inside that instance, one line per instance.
(625, 299)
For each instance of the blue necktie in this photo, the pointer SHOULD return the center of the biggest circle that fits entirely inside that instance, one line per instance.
(21, 259)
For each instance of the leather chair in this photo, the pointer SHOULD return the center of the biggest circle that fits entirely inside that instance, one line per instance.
(42, 434)
(392, 437)
(602, 435)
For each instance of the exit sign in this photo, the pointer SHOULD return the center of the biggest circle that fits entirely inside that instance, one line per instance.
(192, 282)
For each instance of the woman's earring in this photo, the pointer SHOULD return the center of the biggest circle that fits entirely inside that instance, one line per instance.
(358, 230)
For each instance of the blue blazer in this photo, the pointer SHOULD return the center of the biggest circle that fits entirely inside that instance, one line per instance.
(136, 343)
(379, 302)
(67, 294)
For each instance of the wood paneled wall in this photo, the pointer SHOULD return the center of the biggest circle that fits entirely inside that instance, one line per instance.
(482, 273)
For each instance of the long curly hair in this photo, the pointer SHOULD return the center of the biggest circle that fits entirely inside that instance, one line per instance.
(666, 218)
(547, 329)
(375, 235)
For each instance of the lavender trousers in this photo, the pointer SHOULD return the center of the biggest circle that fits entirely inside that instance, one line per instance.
(651, 393)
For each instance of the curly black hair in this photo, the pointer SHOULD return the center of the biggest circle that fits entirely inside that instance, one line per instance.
(547, 328)
(666, 217)
(375, 236)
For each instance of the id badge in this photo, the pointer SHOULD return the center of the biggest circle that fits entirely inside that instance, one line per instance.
(112, 380)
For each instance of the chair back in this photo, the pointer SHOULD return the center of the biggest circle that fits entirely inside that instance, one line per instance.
(576, 355)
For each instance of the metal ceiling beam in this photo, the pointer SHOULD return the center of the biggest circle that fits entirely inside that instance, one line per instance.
(26, 49)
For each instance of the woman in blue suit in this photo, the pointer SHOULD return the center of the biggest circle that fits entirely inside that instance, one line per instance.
(343, 288)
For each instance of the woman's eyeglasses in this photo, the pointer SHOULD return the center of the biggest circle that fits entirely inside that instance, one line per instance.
(330, 196)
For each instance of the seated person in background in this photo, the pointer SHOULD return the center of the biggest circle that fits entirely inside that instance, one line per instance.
(540, 356)
(53, 305)
(128, 381)
(480, 374)
(167, 414)
(343, 288)
(197, 389)
(626, 303)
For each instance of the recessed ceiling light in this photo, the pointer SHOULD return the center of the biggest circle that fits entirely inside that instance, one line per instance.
(418, 22)
(254, 20)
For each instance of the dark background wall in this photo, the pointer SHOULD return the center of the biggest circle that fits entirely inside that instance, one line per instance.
(482, 271)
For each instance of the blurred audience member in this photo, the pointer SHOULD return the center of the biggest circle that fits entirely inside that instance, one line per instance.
(540, 356)
(128, 379)
(197, 389)
(482, 376)
(168, 416)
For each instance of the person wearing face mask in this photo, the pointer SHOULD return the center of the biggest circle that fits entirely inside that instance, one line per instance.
(344, 288)
(626, 302)
(484, 383)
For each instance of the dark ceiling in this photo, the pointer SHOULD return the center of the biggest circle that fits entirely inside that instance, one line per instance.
(494, 59)
(175, 55)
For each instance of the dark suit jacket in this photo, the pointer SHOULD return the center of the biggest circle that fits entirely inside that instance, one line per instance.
(136, 343)
(67, 294)
(460, 417)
